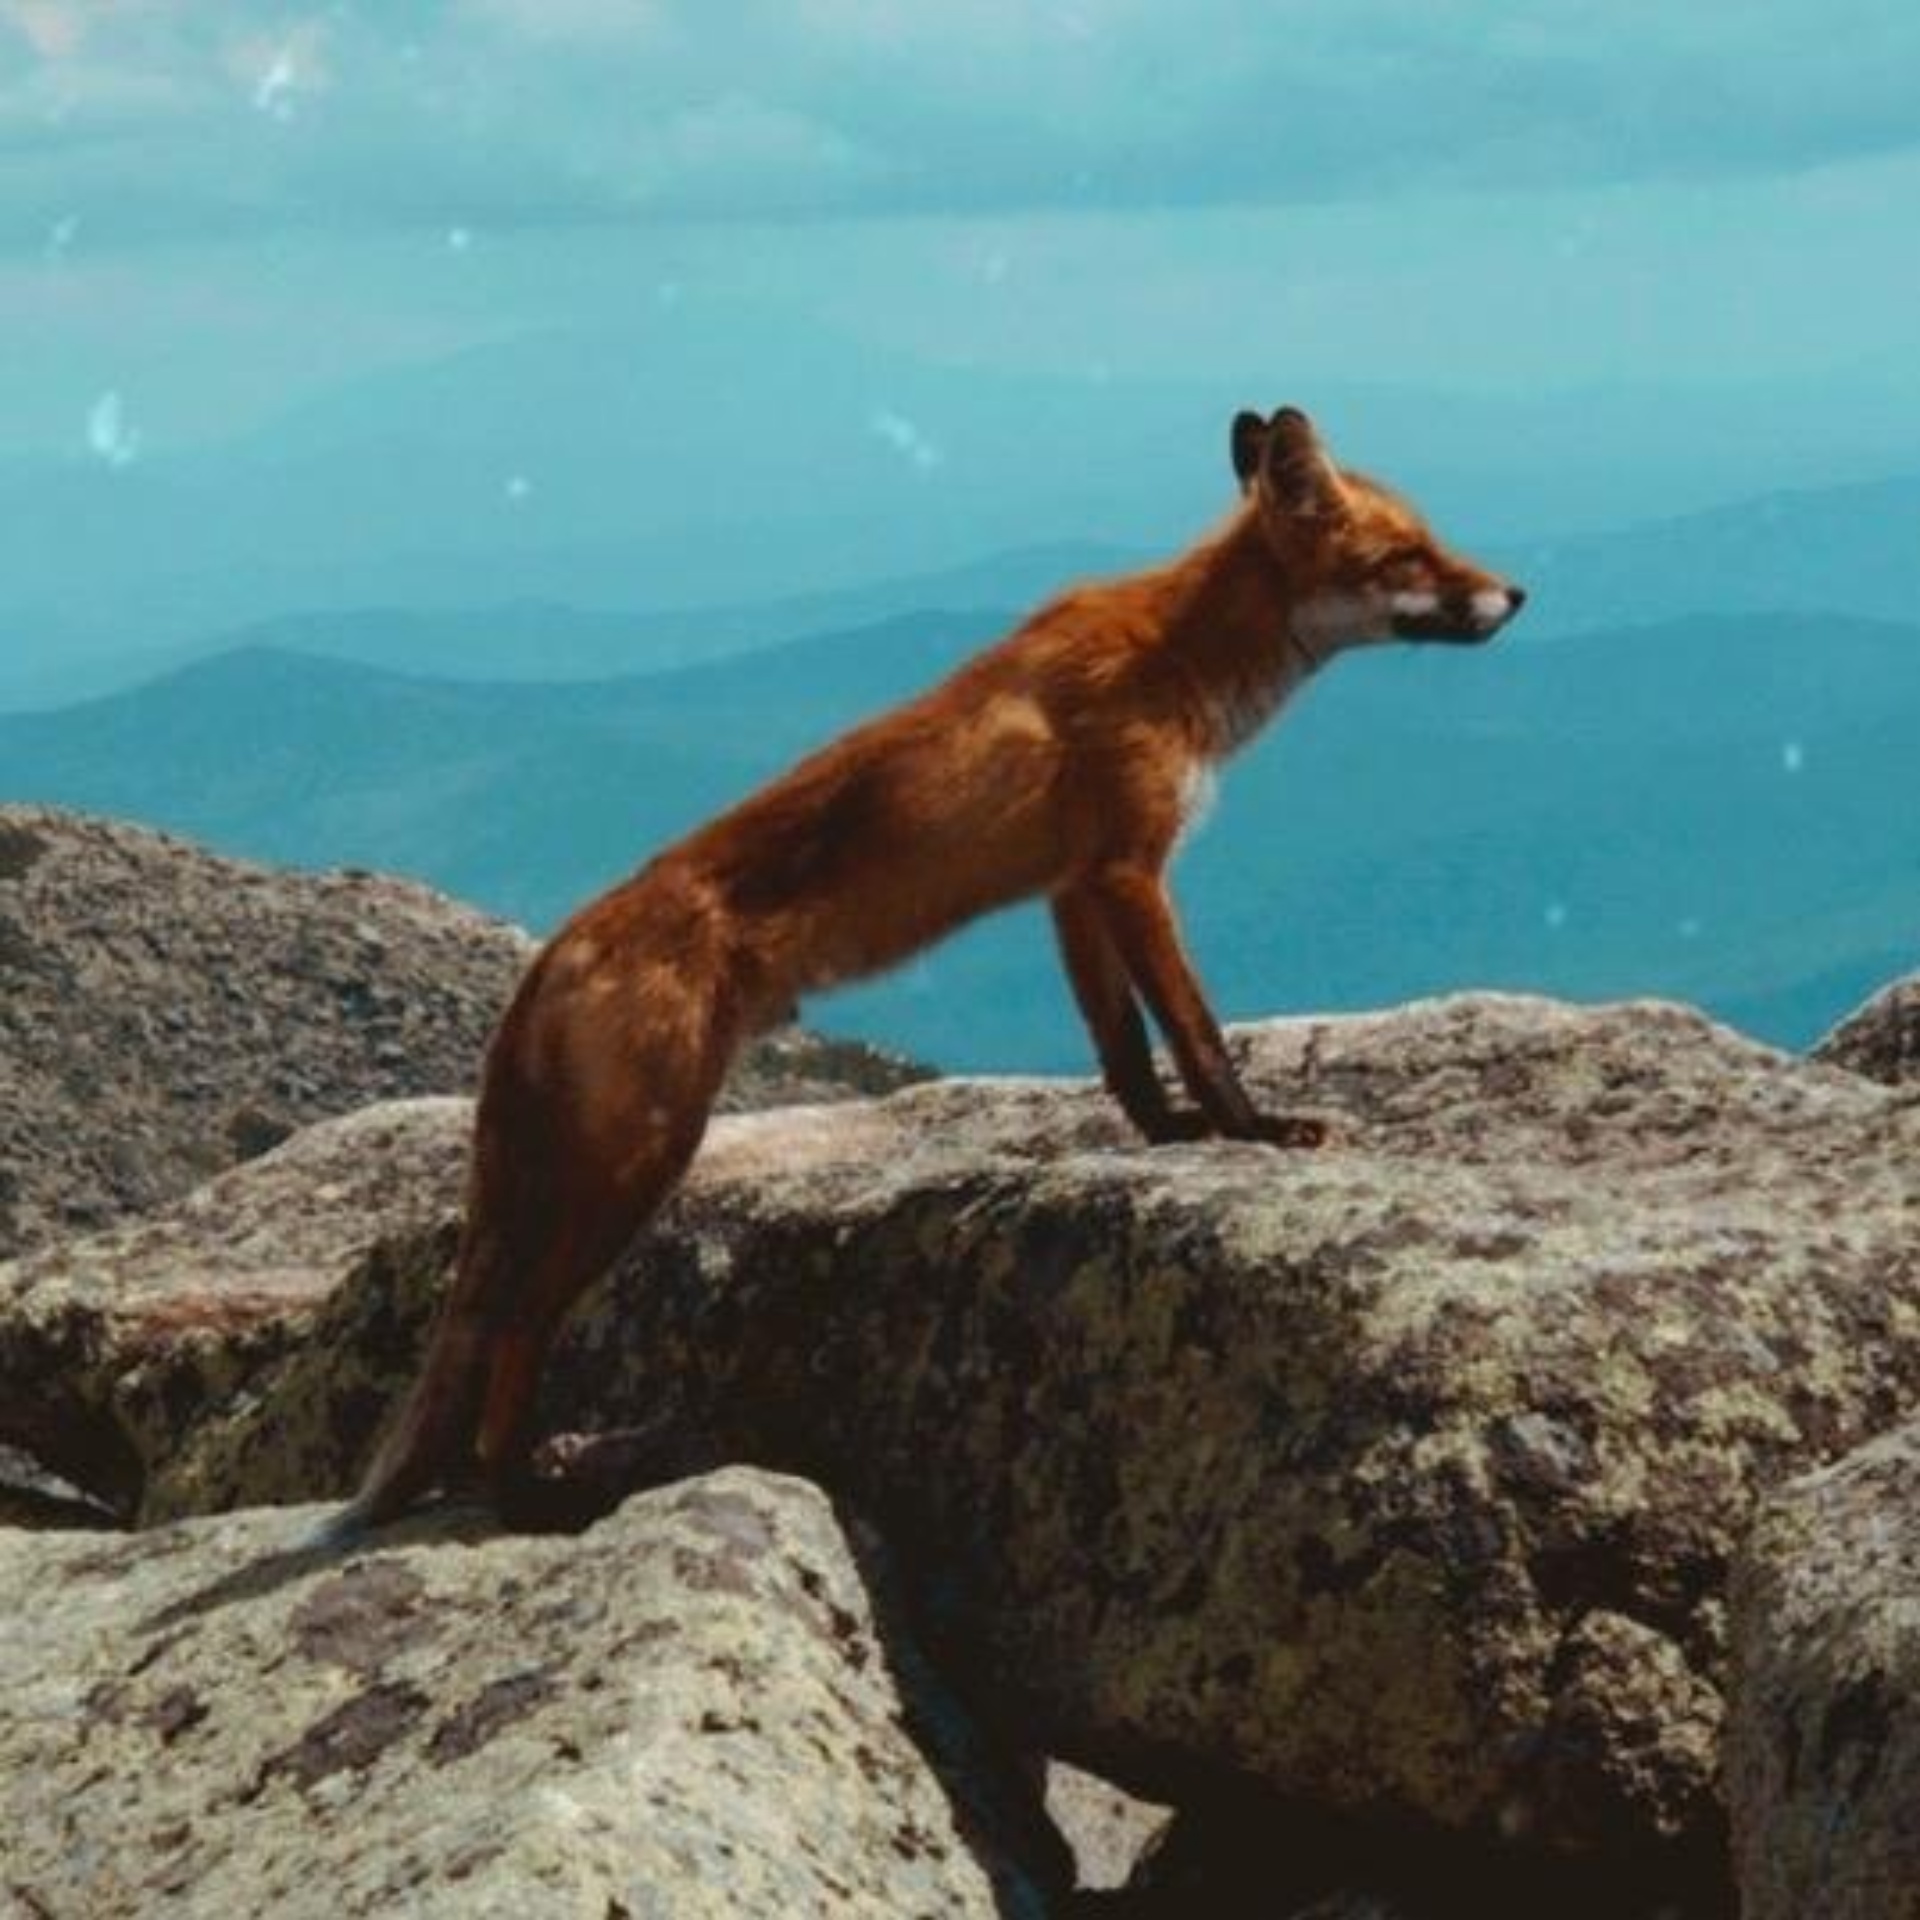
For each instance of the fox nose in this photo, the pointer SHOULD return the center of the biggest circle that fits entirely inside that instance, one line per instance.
(1492, 606)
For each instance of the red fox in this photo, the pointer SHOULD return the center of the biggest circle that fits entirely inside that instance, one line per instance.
(1063, 761)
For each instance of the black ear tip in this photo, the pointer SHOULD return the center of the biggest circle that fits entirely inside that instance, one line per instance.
(1292, 419)
(1249, 442)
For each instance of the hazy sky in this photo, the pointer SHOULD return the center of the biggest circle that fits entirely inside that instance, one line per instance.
(213, 209)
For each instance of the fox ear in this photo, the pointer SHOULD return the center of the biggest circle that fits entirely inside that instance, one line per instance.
(1303, 479)
(1249, 444)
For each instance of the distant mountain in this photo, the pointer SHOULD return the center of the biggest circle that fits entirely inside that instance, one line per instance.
(708, 452)
(1854, 549)
(535, 640)
(1848, 550)
(702, 455)
(1722, 809)
(525, 796)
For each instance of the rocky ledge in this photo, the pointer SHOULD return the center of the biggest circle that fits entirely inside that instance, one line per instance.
(691, 1710)
(1389, 1491)
(1881, 1039)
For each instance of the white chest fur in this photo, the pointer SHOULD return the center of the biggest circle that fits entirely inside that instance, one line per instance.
(1330, 621)
(1199, 788)
(1315, 632)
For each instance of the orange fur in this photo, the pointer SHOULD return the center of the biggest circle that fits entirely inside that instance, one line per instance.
(1059, 762)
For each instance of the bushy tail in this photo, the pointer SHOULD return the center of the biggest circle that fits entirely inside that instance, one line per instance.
(550, 1205)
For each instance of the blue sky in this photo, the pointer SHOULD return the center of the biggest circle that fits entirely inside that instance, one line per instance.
(158, 118)
(219, 215)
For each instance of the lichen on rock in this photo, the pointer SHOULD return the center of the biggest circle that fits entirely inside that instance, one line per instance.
(1399, 1479)
(692, 1710)
(1823, 1750)
(1880, 1039)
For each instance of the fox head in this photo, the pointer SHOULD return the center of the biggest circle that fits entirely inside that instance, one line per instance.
(1363, 564)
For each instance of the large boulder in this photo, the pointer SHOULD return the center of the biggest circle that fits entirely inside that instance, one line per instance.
(1401, 1478)
(1398, 1480)
(128, 1354)
(1882, 1038)
(1823, 1751)
(166, 1013)
(694, 1710)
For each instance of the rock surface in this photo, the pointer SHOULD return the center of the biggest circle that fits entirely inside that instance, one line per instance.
(1823, 1750)
(115, 1346)
(166, 1013)
(1107, 1830)
(689, 1711)
(795, 1067)
(1881, 1039)
(1236, 1855)
(1402, 1478)
(1399, 1479)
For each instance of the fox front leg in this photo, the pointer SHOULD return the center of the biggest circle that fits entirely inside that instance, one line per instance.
(1139, 921)
(1104, 994)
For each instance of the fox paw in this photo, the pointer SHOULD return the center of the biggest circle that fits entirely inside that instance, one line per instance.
(1290, 1130)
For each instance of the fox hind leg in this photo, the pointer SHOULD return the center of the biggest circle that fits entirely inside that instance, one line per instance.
(616, 1060)
(595, 1229)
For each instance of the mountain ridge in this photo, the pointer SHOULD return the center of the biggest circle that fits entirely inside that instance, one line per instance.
(1718, 809)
